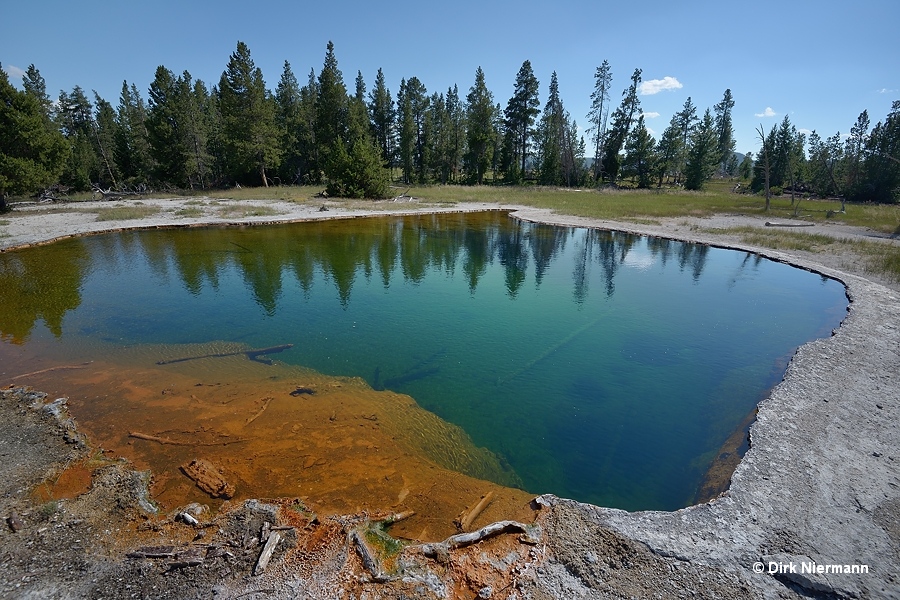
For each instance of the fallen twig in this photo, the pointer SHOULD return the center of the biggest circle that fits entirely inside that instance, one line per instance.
(168, 442)
(60, 368)
(266, 402)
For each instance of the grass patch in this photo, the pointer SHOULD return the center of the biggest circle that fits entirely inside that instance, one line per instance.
(190, 212)
(241, 210)
(879, 258)
(3, 222)
(287, 193)
(125, 213)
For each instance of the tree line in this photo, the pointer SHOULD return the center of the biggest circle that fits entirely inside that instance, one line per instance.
(188, 134)
(863, 166)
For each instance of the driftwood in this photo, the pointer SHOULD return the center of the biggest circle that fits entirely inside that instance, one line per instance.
(464, 521)
(266, 402)
(773, 224)
(251, 354)
(467, 539)
(153, 552)
(208, 478)
(266, 554)
(61, 368)
(168, 442)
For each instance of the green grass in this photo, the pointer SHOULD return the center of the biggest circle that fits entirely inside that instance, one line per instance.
(125, 213)
(3, 222)
(190, 212)
(240, 210)
(879, 258)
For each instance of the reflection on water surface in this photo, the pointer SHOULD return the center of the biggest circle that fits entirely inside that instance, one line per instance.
(596, 365)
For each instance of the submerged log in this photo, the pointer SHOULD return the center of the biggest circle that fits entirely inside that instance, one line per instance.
(168, 442)
(464, 521)
(266, 402)
(251, 354)
(208, 478)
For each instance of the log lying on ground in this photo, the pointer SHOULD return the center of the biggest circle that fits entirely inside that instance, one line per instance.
(208, 478)
(266, 555)
(467, 539)
(773, 224)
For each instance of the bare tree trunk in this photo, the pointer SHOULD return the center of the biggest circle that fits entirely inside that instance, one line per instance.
(766, 167)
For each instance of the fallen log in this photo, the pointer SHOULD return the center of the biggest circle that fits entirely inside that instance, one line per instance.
(467, 539)
(168, 442)
(208, 478)
(368, 560)
(465, 520)
(773, 224)
(266, 402)
(251, 354)
(153, 552)
(266, 555)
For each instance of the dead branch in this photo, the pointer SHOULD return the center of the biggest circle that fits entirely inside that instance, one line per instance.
(467, 539)
(464, 521)
(266, 554)
(168, 442)
(266, 402)
(79, 366)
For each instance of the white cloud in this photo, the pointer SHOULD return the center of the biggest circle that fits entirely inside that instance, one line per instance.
(650, 115)
(655, 86)
(14, 72)
(804, 131)
(766, 113)
(650, 131)
(886, 91)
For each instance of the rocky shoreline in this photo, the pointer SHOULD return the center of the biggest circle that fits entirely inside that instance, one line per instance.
(818, 490)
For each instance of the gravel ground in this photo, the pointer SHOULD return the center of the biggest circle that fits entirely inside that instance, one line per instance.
(819, 487)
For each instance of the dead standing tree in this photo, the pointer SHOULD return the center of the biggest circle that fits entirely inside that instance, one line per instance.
(766, 165)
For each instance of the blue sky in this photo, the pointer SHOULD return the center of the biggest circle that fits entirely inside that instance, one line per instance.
(821, 63)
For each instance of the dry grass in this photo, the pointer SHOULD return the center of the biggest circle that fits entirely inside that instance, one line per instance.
(126, 212)
(246, 210)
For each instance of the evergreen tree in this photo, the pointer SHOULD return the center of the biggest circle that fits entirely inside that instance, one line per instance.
(623, 119)
(289, 121)
(687, 117)
(104, 137)
(358, 126)
(854, 156)
(551, 136)
(331, 107)
(640, 157)
(311, 165)
(132, 148)
(412, 109)
(480, 132)
(32, 152)
(598, 114)
(668, 151)
(383, 115)
(746, 167)
(35, 86)
(882, 163)
(725, 131)
(703, 156)
(164, 128)
(457, 132)
(76, 121)
(521, 112)
(250, 135)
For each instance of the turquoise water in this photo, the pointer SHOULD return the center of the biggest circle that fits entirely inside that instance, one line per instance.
(600, 366)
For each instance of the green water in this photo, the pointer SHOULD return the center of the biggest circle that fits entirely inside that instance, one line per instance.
(599, 366)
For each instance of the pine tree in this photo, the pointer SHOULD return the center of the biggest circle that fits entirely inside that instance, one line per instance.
(480, 133)
(687, 117)
(551, 134)
(132, 149)
(383, 115)
(331, 108)
(289, 119)
(76, 121)
(882, 163)
(640, 157)
(598, 114)
(725, 131)
(703, 155)
(412, 109)
(668, 151)
(623, 119)
(32, 152)
(457, 133)
(250, 136)
(104, 132)
(35, 86)
(521, 112)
